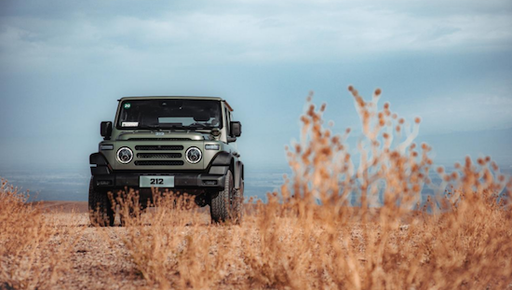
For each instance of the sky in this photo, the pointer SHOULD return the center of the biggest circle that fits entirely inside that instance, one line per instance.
(64, 64)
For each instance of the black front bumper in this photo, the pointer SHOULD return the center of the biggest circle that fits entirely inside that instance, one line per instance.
(181, 180)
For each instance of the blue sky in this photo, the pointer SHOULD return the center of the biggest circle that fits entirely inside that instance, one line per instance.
(65, 63)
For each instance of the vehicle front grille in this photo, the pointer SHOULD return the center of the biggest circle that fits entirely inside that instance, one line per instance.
(159, 147)
(159, 163)
(159, 155)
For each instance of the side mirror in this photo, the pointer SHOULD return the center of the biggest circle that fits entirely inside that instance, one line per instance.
(236, 129)
(106, 129)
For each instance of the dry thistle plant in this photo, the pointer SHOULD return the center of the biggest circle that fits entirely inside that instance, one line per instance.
(311, 239)
(173, 244)
(33, 249)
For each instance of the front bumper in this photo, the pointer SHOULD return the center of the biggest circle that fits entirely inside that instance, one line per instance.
(181, 180)
(104, 177)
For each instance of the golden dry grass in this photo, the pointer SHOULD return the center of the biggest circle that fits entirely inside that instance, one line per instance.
(307, 236)
(33, 248)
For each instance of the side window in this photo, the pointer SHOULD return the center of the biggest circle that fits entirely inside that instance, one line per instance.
(228, 121)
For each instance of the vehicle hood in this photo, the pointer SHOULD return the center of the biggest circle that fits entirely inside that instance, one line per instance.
(159, 135)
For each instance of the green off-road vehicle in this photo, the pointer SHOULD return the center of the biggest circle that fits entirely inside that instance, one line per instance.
(173, 144)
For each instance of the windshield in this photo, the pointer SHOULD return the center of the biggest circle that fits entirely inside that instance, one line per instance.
(169, 114)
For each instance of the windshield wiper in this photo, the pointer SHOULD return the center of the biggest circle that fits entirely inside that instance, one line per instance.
(161, 126)
(198, 127)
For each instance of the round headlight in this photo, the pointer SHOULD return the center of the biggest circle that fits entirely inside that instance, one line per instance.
(193, 155)
(124, 155)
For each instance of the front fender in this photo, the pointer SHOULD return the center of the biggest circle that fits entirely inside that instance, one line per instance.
(99, 164)
(239, 173)
(224, 161)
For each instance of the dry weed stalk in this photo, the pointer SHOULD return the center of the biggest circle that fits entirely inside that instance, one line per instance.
(173, 244)
(311, 239)
(33, 249)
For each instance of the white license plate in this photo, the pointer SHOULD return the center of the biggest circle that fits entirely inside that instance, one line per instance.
(156, 181)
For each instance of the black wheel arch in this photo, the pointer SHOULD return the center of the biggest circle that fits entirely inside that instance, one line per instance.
(227, 161)
(99, 164)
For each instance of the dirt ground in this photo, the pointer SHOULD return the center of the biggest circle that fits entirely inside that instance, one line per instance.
(98, 259)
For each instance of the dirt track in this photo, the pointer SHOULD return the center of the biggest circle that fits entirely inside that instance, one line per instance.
(98, 258)
(64, 206)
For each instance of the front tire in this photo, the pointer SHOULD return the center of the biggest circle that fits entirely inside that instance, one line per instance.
(227, 205)
(100, 208)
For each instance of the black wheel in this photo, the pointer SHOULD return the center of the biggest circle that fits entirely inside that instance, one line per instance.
(239, 203)
(130, 207)
(227, 205)
(100, 207)
(129, 214)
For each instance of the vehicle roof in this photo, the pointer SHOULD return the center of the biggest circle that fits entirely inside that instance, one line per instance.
(177, 97)
(171, 97)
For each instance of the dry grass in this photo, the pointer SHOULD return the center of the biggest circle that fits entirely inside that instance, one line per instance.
(33, 249)
(307, 236)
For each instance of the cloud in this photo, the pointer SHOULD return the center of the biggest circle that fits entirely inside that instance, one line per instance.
(251, 32)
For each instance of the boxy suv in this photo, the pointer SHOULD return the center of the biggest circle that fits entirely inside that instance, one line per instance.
(179, 144)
